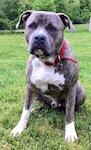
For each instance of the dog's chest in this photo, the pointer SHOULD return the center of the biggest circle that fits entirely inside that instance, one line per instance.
(43, 75)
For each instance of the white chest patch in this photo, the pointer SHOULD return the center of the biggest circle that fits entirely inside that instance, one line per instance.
(42, 75)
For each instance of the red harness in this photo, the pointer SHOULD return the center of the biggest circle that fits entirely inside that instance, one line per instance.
(60, 56)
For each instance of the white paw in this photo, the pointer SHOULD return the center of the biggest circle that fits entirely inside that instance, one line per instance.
(17, 130)
(70, 134)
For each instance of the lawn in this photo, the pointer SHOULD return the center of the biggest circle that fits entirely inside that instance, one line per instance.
(45, 129)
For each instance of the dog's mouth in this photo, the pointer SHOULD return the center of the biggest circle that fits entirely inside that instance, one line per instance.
(38, 52)
(41, 52)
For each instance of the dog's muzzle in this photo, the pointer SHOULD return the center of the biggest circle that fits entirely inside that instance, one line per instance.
(40, 46)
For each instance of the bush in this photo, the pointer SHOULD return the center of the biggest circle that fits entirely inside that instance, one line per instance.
(84, 15)
(78, 10)
(84, 11)
(61, 6)
(44, 5)
(7, 24)
(4, 24)
(72, 11)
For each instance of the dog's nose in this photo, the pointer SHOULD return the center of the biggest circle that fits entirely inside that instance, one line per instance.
(40, 38)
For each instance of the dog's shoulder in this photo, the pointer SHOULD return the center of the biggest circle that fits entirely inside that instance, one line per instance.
(70, 65)
(29, 67)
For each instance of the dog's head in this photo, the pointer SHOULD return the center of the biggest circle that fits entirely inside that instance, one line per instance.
(44, 31)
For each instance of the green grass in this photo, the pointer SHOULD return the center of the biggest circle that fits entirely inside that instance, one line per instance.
(45, 129)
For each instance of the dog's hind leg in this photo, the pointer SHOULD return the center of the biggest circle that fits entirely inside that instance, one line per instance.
(80, 95)
(29, 101)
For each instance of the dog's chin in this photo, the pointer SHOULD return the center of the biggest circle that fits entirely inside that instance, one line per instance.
(44, 58)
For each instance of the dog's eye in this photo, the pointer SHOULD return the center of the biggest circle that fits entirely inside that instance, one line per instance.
(51, 28)
(33, 26)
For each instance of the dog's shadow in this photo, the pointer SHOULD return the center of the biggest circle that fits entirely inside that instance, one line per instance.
(54, 118)
(49, 121)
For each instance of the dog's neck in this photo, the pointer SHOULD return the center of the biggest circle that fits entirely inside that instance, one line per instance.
(59, 57)
(54, 61)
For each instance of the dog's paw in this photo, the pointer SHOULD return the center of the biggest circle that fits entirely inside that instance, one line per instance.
(18, 129)
(70, 134)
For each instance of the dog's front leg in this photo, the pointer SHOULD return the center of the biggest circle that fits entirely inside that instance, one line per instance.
(70, 133)
(29, 100)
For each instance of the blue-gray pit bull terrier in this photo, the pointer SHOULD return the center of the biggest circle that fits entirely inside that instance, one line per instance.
(52, 68)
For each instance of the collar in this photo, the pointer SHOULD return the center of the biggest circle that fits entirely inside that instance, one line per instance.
(60, 57)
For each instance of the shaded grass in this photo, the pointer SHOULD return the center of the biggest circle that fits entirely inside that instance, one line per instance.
(45, 129)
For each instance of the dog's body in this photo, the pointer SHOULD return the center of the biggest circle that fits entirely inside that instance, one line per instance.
(52, 68)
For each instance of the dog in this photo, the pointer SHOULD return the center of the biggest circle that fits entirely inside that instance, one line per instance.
(52, 70)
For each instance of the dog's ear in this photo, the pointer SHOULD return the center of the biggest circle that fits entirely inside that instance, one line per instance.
(23, 17)
(67, 22)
